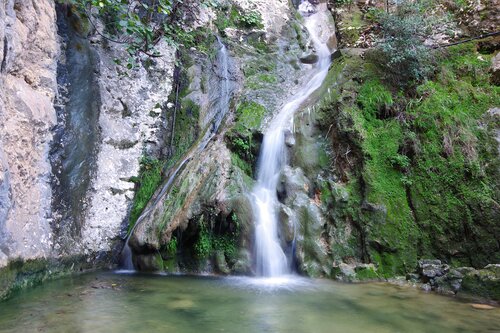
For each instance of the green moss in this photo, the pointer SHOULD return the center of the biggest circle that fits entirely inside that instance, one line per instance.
(203, 246)
(186, 129)
(249, 115)
(146, 184)
(209, 242)
(21, 274)
(238, 162)
(455, 186)
(237, 18)
(366, 273)
(430, 170)
(481, 283)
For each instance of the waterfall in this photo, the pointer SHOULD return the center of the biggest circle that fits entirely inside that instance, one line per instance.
(270, 258)
(221, 108)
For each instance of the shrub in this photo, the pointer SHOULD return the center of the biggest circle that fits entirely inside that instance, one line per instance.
(401, 55)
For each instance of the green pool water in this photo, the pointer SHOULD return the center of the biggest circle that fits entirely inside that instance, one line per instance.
(111, 302)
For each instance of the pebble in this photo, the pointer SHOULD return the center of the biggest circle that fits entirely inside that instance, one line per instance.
(482, 306)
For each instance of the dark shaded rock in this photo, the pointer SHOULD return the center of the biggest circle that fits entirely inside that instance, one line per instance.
(489, 46)
(310, 59)
(483, 283)
(412, 277)
(430, 269)
(449, 283)
(147, 262)
(336, 55)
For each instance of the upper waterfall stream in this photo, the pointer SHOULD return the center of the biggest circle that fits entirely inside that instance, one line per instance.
(270, 258)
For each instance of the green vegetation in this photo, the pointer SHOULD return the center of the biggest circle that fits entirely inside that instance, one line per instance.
(431, 168)
(171, 247)
(186, 129)
(150, 177)
(209, 242)
(249, 116)
(141, 25)
(21, 274)
(237, 18)
(403, 59)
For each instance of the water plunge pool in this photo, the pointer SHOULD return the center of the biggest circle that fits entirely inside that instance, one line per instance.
(111, 302)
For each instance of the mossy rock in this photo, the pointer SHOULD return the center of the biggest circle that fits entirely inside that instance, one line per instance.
(483, 283)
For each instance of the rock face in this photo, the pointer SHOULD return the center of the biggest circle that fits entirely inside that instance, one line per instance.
(49, 207)
(29, 51)
(131, 124)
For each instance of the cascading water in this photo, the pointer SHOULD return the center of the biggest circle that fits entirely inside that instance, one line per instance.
(222, 107)
(270, 258)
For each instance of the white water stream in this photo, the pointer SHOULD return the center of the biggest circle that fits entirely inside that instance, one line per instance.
(270, 258)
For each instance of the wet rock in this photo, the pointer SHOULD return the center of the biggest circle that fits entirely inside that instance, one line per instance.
(147, 262)
(287, 224)
(429, 269)
(344, 272)
(448, 283)
(307, 7)
(309, 59)
(336, 55)
(289, 139)
(483, 283)
(292, 181)
(493, 268)
(243, 265)
(426, 287)
(220, 263)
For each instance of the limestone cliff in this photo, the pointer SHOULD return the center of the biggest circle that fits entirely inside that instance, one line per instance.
(74, 126)
(29, 51)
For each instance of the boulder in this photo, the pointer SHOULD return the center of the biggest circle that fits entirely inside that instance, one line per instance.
(449, 283)
(482, 283)
(430, 269)
(243, 265)
(220, 263)
(309, 59)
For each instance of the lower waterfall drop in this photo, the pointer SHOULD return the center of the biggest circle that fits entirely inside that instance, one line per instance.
(271, 261)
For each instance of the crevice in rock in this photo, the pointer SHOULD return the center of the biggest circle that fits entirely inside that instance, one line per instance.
(3, 66)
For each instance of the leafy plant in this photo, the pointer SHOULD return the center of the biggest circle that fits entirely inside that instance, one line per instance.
(250, 20)
(171, 246)
(401, 55)
(139, 25)
(203, 246)
(148, 181)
